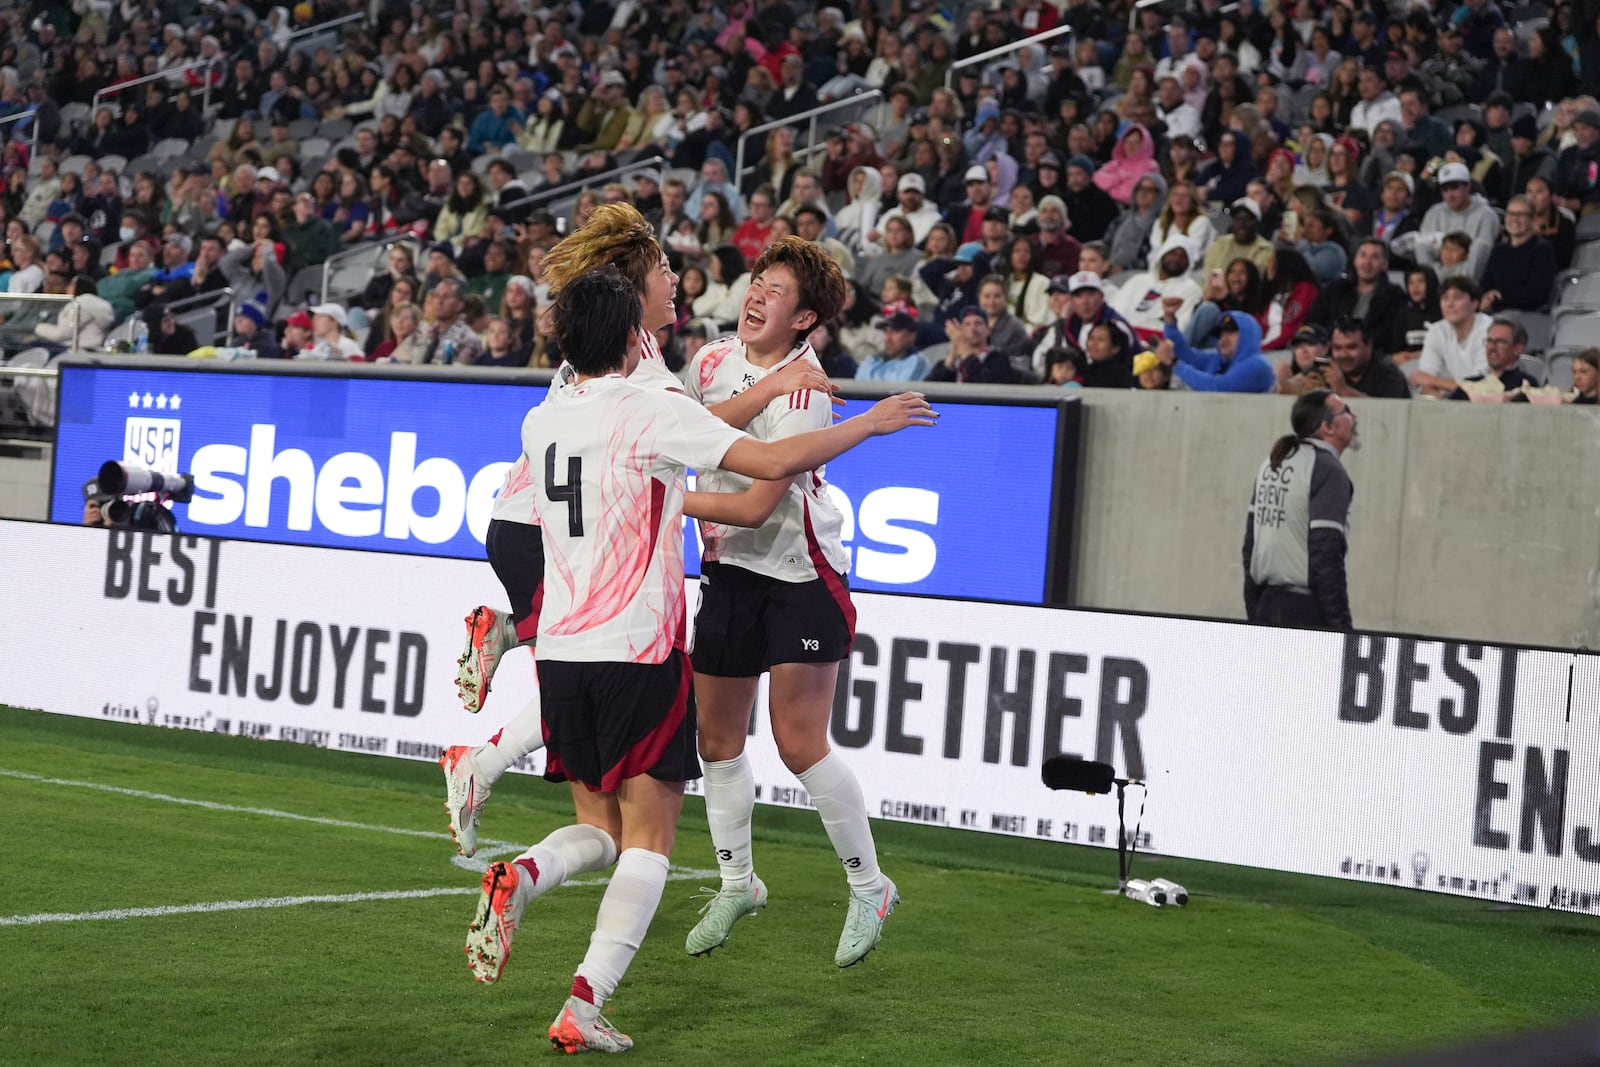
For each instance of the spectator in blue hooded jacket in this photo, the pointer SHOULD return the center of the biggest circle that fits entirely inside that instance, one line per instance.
(1236, 365)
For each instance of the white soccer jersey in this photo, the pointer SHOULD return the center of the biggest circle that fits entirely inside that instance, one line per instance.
(804, 532)
(513, 504)
(608, 472)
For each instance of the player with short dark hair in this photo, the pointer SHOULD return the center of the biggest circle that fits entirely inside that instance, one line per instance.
(774, 597)
(608, 462)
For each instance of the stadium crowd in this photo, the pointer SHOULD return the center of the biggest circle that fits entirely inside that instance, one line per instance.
(1369, 197)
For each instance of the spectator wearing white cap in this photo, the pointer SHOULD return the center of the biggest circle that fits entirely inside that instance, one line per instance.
(1459, 210)
(1139, 298)
(913, 206)
(1055, 250)
(1394, 216)
(1242, 241)
(967, 217)
(1079, 304)
(330, 338)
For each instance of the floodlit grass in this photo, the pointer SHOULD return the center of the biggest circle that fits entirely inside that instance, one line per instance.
(1005, 951)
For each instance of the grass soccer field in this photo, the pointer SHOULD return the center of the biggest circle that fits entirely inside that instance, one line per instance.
(343, 940)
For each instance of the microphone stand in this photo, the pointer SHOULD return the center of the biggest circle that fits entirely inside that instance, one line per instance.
(1122, 838)
(1124, 854)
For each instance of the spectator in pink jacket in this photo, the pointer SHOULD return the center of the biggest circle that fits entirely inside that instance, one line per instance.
(1132, 159)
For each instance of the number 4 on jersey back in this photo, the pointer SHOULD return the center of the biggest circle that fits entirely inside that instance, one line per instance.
(570, 492)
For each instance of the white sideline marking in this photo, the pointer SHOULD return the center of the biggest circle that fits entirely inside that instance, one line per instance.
(229, 905)
(211, 805)
(477, 864)
(675, 874)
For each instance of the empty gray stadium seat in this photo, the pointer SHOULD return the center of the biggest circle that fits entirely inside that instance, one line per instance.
(1579, 330)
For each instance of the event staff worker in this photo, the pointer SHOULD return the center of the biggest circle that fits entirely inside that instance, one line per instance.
(1298, 528)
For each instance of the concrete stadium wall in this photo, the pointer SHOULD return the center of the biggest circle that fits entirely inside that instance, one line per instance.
(25, 488)
(1475, 521)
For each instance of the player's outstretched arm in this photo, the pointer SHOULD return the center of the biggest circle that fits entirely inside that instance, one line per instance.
(771, 460)
(752, 507)
(738, 411)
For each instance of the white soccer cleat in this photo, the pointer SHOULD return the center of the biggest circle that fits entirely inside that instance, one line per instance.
(465, 793)
(581, 1028)
(499, 909)
(486, 643)
(863, 924)
(724, 909)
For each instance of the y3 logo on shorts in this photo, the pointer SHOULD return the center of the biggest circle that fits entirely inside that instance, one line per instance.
(810, 644)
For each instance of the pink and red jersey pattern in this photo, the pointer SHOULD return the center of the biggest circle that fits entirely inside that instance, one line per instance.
(613, 534)
(512, 504)
(803, 538)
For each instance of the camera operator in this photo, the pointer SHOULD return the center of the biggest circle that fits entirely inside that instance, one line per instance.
(111, 498)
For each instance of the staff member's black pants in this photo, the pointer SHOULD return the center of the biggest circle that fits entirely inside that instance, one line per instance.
(1279, 606)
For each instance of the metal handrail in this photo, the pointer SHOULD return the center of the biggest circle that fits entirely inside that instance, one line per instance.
(996, 53)
(371, 248)
(170, 72)
(578, 186)
(213, 299)
(321, 27)
(46, 298)
(811, 135)
(33, 141)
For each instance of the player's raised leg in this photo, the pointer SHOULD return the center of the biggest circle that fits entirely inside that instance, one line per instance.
(470, 772)
(508, 889)
(490, 635)
(516, 552)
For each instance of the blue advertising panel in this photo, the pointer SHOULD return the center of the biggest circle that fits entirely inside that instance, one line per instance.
(407, 465)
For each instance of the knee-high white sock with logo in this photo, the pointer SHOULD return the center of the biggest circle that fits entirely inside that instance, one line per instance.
(730, 801)
(837, 795)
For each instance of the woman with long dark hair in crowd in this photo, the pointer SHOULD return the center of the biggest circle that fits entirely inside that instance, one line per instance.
(1421, 311)
(1236, 287)
(1292, 289)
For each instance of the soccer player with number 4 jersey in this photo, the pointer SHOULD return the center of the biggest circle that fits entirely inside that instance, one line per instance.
(773, 598)
(608, 460)
(617, 235)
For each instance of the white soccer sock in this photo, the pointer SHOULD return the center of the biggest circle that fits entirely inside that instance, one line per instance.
(730, 800)
(625, 913)
(837, 795)
(569, 851)
(506, 632)
(522, 735)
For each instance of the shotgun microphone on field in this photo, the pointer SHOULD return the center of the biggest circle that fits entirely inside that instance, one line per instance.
(1092, 776)
(1079, 775)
